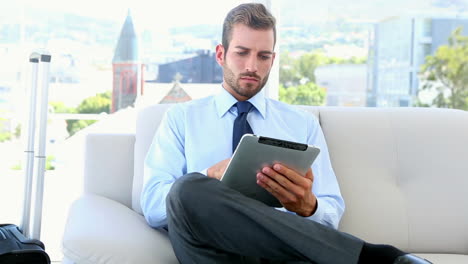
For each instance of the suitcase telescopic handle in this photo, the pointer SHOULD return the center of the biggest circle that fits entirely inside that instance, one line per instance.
(40, 61)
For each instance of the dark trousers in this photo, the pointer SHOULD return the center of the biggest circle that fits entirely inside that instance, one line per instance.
(211, 223)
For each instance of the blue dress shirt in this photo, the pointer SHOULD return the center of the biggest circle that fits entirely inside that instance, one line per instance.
(195, 135)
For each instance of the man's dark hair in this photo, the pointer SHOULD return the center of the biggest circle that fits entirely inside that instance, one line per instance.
(253, 15)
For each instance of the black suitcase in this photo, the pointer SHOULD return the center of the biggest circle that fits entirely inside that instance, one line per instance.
(22, 245)
(15, 248)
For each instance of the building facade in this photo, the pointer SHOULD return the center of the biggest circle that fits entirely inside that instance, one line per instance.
(345, 83)
(201, 68)
(127, 68)
(398, 48)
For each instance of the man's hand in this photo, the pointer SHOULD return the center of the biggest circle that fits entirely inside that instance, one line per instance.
(216, 171)
(293, 190)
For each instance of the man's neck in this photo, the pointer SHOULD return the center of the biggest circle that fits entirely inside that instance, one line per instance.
(232, 92)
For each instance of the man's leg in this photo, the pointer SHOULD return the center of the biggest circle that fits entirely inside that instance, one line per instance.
(211, 223)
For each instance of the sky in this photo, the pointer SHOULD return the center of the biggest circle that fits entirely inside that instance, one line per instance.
(144, 12)
(173, 13)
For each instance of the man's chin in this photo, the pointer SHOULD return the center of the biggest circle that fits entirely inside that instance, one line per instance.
(248, 92)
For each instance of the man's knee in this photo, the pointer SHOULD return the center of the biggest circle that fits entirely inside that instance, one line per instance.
(186, 186)
(184, 191)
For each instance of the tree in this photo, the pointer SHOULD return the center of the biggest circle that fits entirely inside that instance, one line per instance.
(301, 70)
(100, 103)
(293, 72)
(446, 72)
(297, 77)
(5, 134)
(352, 60)
(287, 73)
(304, 94)
(307, 64)
(60, 107)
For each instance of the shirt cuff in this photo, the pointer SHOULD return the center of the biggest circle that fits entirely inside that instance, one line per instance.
(317, 216)
(319, 213)
(204, 172)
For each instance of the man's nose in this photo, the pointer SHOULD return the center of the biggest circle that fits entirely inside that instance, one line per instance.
(251, 64)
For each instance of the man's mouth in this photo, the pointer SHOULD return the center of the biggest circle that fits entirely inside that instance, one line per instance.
(250, 79)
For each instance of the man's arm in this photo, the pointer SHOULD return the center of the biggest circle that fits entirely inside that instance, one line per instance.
(164, 163)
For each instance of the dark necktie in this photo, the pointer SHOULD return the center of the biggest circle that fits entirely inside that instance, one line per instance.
(241, 126)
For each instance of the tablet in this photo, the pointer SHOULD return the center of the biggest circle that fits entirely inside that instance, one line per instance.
(255, 152)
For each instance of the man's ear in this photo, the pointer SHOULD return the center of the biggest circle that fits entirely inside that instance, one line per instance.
(220, 54)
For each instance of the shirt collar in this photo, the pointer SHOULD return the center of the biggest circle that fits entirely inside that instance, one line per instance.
(224, 101)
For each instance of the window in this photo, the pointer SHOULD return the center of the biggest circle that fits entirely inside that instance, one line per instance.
(172, 43)
(166, 51)
(427, 27)
(381, 36)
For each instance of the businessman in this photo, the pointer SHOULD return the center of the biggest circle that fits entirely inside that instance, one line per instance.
(208, 222)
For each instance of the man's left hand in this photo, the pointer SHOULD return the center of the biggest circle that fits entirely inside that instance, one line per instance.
(292, 189)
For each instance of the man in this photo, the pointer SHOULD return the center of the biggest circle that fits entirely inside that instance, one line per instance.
(208, 222)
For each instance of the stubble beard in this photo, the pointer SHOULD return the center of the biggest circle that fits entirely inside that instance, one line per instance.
(249, 90)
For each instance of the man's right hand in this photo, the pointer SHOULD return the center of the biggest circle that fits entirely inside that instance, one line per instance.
(216, 171)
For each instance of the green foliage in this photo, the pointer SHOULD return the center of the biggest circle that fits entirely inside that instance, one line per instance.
(295, 71)
(297, 77)
(5, 135)
(48, 165)
(352, 60)
(306, 65)
(100, 103)
(302, 70)
(446, 72)
(287, 73)
(418, 103)
(305, 94)
(74, 126)
(96, 104)
(17, 133)
(16, 166)
(60, 107)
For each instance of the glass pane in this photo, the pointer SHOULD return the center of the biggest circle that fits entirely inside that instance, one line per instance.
(107, 60)
(360, 53)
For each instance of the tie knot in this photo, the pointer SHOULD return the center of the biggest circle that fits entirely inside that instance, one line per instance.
(244, 107)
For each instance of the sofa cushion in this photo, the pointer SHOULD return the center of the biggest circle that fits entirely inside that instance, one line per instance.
(409, 163)
(100, 230)
(445, 258)
(147, 122)
(102, 159)
(403, 175)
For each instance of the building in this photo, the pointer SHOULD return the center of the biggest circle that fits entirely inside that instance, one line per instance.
(345, 83)
(175, 92)
(201, 68)
(398, 47)
(127, 68)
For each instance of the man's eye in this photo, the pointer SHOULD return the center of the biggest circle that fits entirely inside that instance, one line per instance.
(241, 53)
(264, 57)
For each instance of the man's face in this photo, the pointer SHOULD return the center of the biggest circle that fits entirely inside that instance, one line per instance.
(247, 62)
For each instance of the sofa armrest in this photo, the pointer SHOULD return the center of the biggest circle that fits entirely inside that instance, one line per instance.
(109, 166)
(100, 230)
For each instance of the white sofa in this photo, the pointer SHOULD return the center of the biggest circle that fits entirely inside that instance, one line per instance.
(403, 173)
